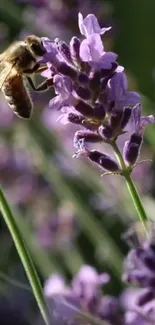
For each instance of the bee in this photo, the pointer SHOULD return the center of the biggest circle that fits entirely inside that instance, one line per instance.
(17, 63)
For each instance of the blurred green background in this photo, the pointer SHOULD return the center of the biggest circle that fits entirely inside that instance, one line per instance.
(68, 214)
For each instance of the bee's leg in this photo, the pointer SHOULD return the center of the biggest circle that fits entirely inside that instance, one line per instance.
(43, 86)
(36, 69)
(41, 69)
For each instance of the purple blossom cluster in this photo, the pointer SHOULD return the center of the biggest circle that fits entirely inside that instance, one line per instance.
(92, 92)
(135, 306)
(140, 272)
(84, 295)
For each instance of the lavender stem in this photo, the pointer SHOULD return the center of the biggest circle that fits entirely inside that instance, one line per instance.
(131, 187)
(24, 256)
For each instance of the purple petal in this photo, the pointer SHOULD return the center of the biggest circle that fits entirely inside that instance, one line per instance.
(46, 73)
(137, 114)
(118, 85)
(66, 110)
(64, 99)
(65, 310)
(104, 30)
(120, 68)
(85, 51)
(90, 25)
(104, 278)
(52, 55)
(49, 45)
(107, 59)
(48, 57)
(128, 298)
(81, 23)
(63, 85)
(87, 274)
(56, 103)
(124, 81)
(63, 119)
(131, 99)
(54, 285)
(81, 152)
(91, 48)
(86, 281)
(146, 120)
(52, 52)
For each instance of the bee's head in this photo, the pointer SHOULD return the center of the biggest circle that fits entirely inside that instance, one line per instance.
(35, 45)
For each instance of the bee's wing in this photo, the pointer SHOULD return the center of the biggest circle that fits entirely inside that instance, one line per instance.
(5, 70)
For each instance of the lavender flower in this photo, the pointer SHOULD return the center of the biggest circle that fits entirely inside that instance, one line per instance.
(140, 266)
(140, 271)
(137, 305)
(84, 295)
(92, 92)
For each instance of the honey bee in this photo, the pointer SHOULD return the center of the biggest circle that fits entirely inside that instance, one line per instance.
(17, 63)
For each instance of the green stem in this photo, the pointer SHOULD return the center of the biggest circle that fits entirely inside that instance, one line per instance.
(24, 256)
(131, 187)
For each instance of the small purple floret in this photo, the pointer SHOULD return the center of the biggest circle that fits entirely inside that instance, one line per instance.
(90, 25)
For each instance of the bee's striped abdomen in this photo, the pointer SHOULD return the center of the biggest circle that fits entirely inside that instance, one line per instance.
(17, 96)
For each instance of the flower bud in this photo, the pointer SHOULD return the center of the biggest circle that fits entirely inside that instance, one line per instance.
(64, 49)
(147, 259)
(109, 164)
(136, 138)
(84, 108)
(82, 78)
(75, 118)
(104, 161)
(132, 148)
(116, 118)
(131, 153)
(84, 93)
(87, 136)
(103, 83)
(109, 72)
(67, 70)
(75, 49)
(94, 80)
(126, 117)
(145, 297)
(99, 111)
(106, 132)
(111, 106)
